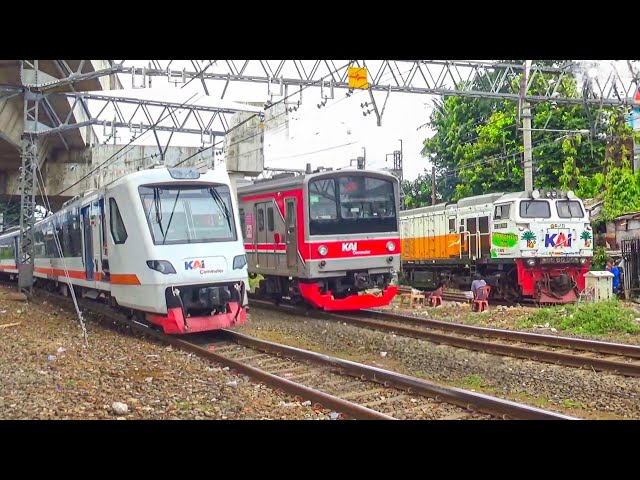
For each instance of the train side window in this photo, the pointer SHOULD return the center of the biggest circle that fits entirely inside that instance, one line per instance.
(462, 225)
(260, 219)
(501, 212)
(270, 225)
(452, 225)
(118, 230)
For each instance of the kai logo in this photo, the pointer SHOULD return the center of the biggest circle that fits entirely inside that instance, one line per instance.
(557, 240)
(350, 247)
(194, 264)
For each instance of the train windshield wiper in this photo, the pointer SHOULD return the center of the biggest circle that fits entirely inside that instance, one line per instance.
(164, 236)
(157, 203)
(222, 205)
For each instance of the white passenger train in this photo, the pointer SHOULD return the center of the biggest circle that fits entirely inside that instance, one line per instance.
(164, 243)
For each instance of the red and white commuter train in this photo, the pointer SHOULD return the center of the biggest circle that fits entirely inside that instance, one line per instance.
(329, 238)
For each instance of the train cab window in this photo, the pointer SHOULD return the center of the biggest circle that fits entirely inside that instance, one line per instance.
(535, 209)
(118, 230)
(452, 225)
(179, 214)
(260, 220)
(569, 209)
(291, 214)
(322, 200)
(243, 222)
(270, 222)
(347, 204)
(502, 212)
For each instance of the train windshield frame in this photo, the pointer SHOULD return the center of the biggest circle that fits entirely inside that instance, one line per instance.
(569, 209)
(181, 214)
(362, 204)
(535, 209)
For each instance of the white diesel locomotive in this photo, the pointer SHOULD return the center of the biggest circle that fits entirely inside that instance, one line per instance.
(536, 246)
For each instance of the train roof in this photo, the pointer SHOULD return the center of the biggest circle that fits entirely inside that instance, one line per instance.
(292, 181)
(159, 174)
(485, 199)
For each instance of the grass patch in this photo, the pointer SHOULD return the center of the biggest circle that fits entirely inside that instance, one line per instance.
(590, 318)
(474, 380)
(183, 405)
(71, 383)
(571, 404)
(254, 282)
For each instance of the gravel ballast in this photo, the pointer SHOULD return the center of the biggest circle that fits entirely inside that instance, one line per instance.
(582, 393)
(47, 372)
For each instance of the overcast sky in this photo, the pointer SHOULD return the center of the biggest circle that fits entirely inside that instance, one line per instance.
(329, 136)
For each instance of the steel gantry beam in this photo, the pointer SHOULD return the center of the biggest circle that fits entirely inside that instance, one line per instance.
(38, 88)
(434, 77)
(206, 120)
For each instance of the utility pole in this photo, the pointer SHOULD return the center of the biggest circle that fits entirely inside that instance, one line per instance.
(528, 154)
(433, 185)
(526, 132)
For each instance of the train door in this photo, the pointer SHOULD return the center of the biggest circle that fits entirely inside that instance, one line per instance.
(261, 236)
(472, 226)
(85, 214)
(464, 238)
(485, 241)
(271, 255)
(104, 248)
(96, 236)
(292, 238)
(16, 244)
(451, 230)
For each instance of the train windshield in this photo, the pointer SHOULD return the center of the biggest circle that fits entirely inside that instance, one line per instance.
(535, 209)
(569, 209)
(351, 204)
(186, 214)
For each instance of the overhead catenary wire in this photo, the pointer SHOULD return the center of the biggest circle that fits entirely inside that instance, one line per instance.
(47, 204)
(111, 158)
(273, 104)
(203, 162)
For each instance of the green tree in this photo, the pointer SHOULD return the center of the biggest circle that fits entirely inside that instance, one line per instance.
(418, 192)
(10, 212)
(477, 149)
(621, 186)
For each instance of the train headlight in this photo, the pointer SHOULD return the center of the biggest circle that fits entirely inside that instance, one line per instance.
(162, 266)
(391, 246)
(583, 261)
(239, 261)
(530, 262)
(322, 250)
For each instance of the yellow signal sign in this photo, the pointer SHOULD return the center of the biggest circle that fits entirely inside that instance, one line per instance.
(358, 78)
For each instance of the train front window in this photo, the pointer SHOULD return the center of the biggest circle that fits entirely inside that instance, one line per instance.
(185, 214)
(569, 209)
(535, 209)
(361, 205)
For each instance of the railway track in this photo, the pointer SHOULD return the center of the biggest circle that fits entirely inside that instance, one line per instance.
(567, 351)
(355, 390)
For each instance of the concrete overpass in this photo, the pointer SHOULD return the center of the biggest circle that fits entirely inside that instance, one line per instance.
(51, 148)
